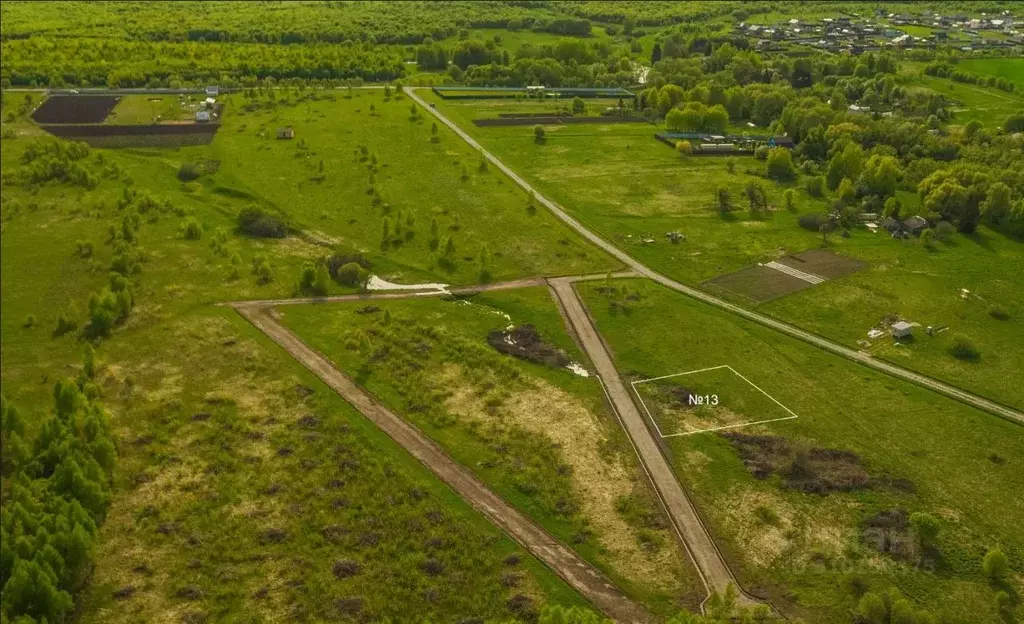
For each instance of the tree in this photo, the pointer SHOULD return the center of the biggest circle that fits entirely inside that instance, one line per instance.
(538, 133)
(846, 164)
(756, 196)
(789, 199)
(892, 208)
(815, 186)
(306, 278)
(972, 128)
(353, 274)
(321, 280)
(578, 106)
(846, 193)
(779, 164)
(995, 564)
(881, 175)
(192, 229)
(1014, 123)
(684, 147)
(656, 53)
(927, 237)
(996, 206)
(434, 138)
(723, 202)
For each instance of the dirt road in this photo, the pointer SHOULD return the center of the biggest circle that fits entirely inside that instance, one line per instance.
(706, 556)
(809, 337)
(585, 579)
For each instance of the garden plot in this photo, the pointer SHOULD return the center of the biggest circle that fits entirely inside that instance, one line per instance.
(764, 282)
(707, 399)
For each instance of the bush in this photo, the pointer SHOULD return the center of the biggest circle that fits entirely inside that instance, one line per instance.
(963, 349)
(352, 274)
(998, 312)
(815, 186)
(188, 172)
(192, 229)
(539, 133)
(995, 565)
(779, 165)
(254, 221)
(812, 222)
(684, 147)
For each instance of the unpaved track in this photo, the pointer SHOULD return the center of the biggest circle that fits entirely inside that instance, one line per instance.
(408, 294)
(709, 561)
(809, 337)
(585, 579)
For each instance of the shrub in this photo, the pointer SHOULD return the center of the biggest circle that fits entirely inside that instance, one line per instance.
(538, 133)
(730, 165)
(963, 349)
(789, 199)
(352, 274)
(779, 165)
(813, 221)
(926, 527)
(723, 201)
(815, 186)
(192, 229)
(998, 312)
(254, 221)
(84, 248)
(761, 153)
(995, 565)
(188, 172)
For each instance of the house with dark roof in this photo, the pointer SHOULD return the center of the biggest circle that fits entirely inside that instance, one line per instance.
(915, 224)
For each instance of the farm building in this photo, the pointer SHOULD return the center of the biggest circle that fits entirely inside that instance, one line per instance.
(285, 133)
(781, 141)
(212, 91)
(202, 115)
(901, 329)
(915, 224)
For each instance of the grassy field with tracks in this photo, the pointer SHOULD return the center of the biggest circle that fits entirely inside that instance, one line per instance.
(805, 536)
(234, 482)
(632, 190)
(538, 434)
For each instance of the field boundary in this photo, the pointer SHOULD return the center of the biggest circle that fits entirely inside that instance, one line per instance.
(650, 417)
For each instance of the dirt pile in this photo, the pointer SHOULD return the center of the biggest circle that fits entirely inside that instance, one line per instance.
(808, 469)
(525, 342)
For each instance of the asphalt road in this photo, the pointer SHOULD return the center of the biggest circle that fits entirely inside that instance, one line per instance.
(785, 328)
(583, 577)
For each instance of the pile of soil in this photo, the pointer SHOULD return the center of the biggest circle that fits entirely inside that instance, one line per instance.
(525, 342)
(813, 470)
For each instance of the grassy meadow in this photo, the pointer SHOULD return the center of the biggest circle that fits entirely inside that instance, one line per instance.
(250, 491)
(538, 434)
(1010, 68)
(253, 492)
(151, 109)
(632, 190)
(812, 552)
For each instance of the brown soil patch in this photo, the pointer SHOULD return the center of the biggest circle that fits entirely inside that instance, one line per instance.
(526, 343)
(813, 470)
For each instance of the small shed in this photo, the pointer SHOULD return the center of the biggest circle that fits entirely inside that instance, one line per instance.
(915, 224)
(901, 329)
(212, 91)
(781, 141)
(285, 133)
(202, 115)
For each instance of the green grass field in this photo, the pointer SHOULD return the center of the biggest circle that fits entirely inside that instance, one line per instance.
(632, 190)
(253, 491)
(540, 436)
(805, 549)
(418, 187)
(150, 109)
(1010, 68)
(989, 106)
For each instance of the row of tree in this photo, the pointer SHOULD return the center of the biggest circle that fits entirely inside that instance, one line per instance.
(56, 495)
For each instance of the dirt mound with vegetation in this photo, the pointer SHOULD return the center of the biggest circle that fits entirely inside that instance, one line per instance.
(526, 343)
(808, 469)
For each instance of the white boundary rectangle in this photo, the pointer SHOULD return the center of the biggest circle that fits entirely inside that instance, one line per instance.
(634, 384)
